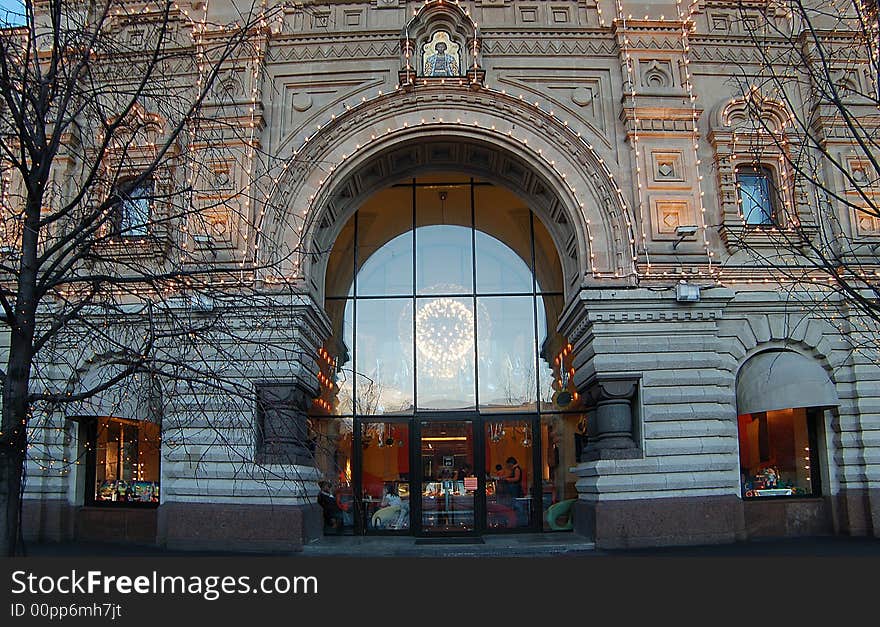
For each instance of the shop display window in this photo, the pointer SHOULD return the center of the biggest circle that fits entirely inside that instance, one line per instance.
(445, 294)
(123, 463)
(778, 453)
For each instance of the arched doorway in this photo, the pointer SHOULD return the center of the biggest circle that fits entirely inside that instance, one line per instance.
(452, 395)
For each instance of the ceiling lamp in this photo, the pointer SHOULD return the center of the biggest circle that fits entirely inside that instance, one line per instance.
(444, 335)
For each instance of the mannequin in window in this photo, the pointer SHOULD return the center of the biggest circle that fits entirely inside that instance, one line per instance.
(440, 63)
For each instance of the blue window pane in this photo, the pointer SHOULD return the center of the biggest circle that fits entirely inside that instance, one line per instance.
(135, 211)
(754, 196)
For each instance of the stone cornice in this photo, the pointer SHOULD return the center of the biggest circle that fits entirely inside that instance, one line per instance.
(638, 305)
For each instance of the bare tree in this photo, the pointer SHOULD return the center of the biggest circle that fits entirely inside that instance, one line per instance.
(808, 124)
(130, 164)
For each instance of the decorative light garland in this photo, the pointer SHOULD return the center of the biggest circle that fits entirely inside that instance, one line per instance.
(635, 134)
(687, 23)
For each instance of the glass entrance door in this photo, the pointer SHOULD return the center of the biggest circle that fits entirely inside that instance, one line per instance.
(510, 461)
(449, 486)
(383, 504)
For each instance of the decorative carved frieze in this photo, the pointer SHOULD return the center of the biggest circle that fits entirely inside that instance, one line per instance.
(549, 44)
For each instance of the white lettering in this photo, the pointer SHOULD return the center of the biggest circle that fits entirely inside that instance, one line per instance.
(142, 584)
(16, 580)
(94, 580)
(76, 583)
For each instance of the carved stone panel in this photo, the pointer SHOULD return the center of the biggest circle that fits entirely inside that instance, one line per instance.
(668, 213)
(281, 428)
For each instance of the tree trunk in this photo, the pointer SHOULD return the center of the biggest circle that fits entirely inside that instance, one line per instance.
(13, 441)
(11, 460)
(16, 387)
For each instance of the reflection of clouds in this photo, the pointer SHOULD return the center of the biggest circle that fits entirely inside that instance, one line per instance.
(507, 361)
(383, 378)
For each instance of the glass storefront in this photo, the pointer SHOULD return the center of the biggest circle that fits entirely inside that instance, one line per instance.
(123, 462)
(510, 474)
(444, 294)
(778, 453)
(449, 486)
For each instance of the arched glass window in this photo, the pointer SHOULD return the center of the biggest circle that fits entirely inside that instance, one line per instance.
(444, 289)
(444, 293)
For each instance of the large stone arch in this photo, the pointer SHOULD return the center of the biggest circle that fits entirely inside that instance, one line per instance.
(486, 133)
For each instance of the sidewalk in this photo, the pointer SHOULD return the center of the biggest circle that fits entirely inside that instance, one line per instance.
(519, 545)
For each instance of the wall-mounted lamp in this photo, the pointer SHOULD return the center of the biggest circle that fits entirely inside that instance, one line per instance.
(683, 232)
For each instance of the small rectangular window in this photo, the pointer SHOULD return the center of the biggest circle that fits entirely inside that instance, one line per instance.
(755, 188)
(778, 453)
(122, 464)
(133, 209)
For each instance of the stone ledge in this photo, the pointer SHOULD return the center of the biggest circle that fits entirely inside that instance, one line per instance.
(601, 454)
(660, 522)
(237, 527)
(135, 525)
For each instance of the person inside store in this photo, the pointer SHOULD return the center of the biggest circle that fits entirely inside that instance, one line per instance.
(513, 487)
(333, 517)
(464, 471)
(497, 479)
(513, 478)
(389, 508)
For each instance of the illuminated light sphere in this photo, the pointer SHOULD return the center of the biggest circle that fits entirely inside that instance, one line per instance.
(444, 334)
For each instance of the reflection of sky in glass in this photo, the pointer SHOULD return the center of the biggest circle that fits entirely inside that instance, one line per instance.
(545, 372)
(389, 270)
(444, 256)
(463, 328)
(754, 193)
(507, 352)
(384, 371)
(11, 13)
(499, 269)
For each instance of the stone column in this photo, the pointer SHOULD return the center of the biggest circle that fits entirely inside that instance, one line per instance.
(610, 424)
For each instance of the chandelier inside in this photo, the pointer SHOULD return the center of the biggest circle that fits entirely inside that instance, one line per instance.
(444, 335)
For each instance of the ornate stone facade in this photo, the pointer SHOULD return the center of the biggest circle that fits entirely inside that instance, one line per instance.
(615, 134)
